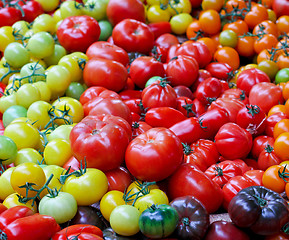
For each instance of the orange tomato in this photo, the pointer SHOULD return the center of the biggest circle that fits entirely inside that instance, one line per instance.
(266, 26)
(256, 15)
(192, 29)
(282, 24)
(210, 21)
(285, 91)
(268, 41)
(275, 109)
(271, 178)
(211, 44)
(228, 55)
(240, 27)
(281, 127)
(245, 46)
(281, 146)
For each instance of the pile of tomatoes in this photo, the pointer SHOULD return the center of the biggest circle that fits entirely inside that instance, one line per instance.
(144, 119)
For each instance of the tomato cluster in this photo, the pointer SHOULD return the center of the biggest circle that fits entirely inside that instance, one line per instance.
(144, 119)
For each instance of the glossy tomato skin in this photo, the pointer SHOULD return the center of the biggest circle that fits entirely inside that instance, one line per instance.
(133, 36)
(32, 9)
(117, 11)
(110, 74)
(182, 70)
(159, 28)
(271, 122)
(280, 7)
(188, 180)
(77, 33)
(191, 209)
(223, 230)
(143, 68)
(9, 15)
(235, 93)
(265, 217)
(118, 179)
(88, 136)
(147, 155)
(106, 50)
(249, 77)
(259, 143)
(266, 95)
(159, 94)
(219, 70)
(233, 141)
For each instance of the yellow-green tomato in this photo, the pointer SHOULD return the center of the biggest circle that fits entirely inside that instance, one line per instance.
(110, 201)
(180, 6)
(27, 155)
(16, 55)
(61, 132)
(33, 72)
(71, 64)
(124, 220)
(87, 188)
(58, 53)
(39, 113)
(44, 23)
(8, 150)
(44, 90)
(5, 185)
(23, 134)
(13, 200)
(7, 101)
(70, 8)
(57, 152)
(156, 13)
(27, 94)
(6, 37)
(62, 207)
(180, 23)
(155, 196)
(50, 5)
(20, 27)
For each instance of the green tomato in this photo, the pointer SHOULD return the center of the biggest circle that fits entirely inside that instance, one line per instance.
(124, 220)
(152, 80)
(61, 132)
(158, 221)
(70, 8)
(41, 45)
(62, 208)
(5, 185)
(105, 30)
(16, 55)
(27, 155)
(27, 94)
(228, 38)
(58, 53)
(74, 90)
(12, 113)
(282, 75)
(95, 9)
(7, 101)
(8, 150)
(269, 67)
(21, 27)
(45, 92)
(32, 72)
(44, 23)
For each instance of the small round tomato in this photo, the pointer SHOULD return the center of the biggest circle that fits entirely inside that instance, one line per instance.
(210, 21)
(180, 22)
(273, 178)
(228, 55)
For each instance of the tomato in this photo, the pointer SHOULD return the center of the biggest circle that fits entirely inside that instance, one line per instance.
(182, 70)
(8, 151)
(28, 155)
(188, 180)
(97, 130)
(210, 21)
(77, 33)
(158, 221)
(116, 11)
(280, 7)
(268, 91)
(81, 231)
(157, 14)
(111, 74)
(245, 46)
(118, 179)
(32, 9)
(16, 55)
(106, 50)
(159, 94)
(256, 15)
(280, 127)
(133, 36)
(235, 93)
(268, 158)
(233, 141)
(228, 55)
(61, 207)
(27, 173)
(13, 200)
(239, 26)
(124, 220)
(6, 188)
(9, 15)
(222, 172)
(228, 38)
(219, 70)
(160, 28)
(149, 149)
(268, 41)
(273, 178)
(186, 106)
(180, 22)
(143, 68)
(259, 143)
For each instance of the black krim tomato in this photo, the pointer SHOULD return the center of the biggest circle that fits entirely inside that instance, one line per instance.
(260, 209)
(158, 221)
(193, 218)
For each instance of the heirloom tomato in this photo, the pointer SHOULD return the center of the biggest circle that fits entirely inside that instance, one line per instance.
(118, 179)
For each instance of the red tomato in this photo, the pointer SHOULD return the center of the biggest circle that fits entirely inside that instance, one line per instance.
(135, 105)
(259, 143)
(182, 70)
(220, 70)
(188, 180)
(197, 50)
(147, 155)
(203, 75)
(200, 107)
(183, 91)
(143, 68)
(9, 16)
(118, 179)
(77, 33)
(222, 172)
(233, 141)
(139, 127)
(106, 50)
(280, 7)
(268, 158)
(110, 74)
(266, 95)
(186, 106)
(272, 120)
(160, 28)
(73, 163)
(159, 94)
(133, 36)
(252, 118)
(128, 94)
(118, 10)
(249, 77)
(32, 9)
(255, 176)
(100, 140)
(235, 93)
(161, 117)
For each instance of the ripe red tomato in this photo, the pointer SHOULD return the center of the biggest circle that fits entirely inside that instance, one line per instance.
(259, 143)
(133, 36)
(118, 179)
(219, 70)
(147, 155)
(110, 74)
(116, 10)
(32, 9)
(188, 180)
(233, 141)
(77, 33)
(9, 16)
(271, 122)
(106, 50)
(280, 7)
